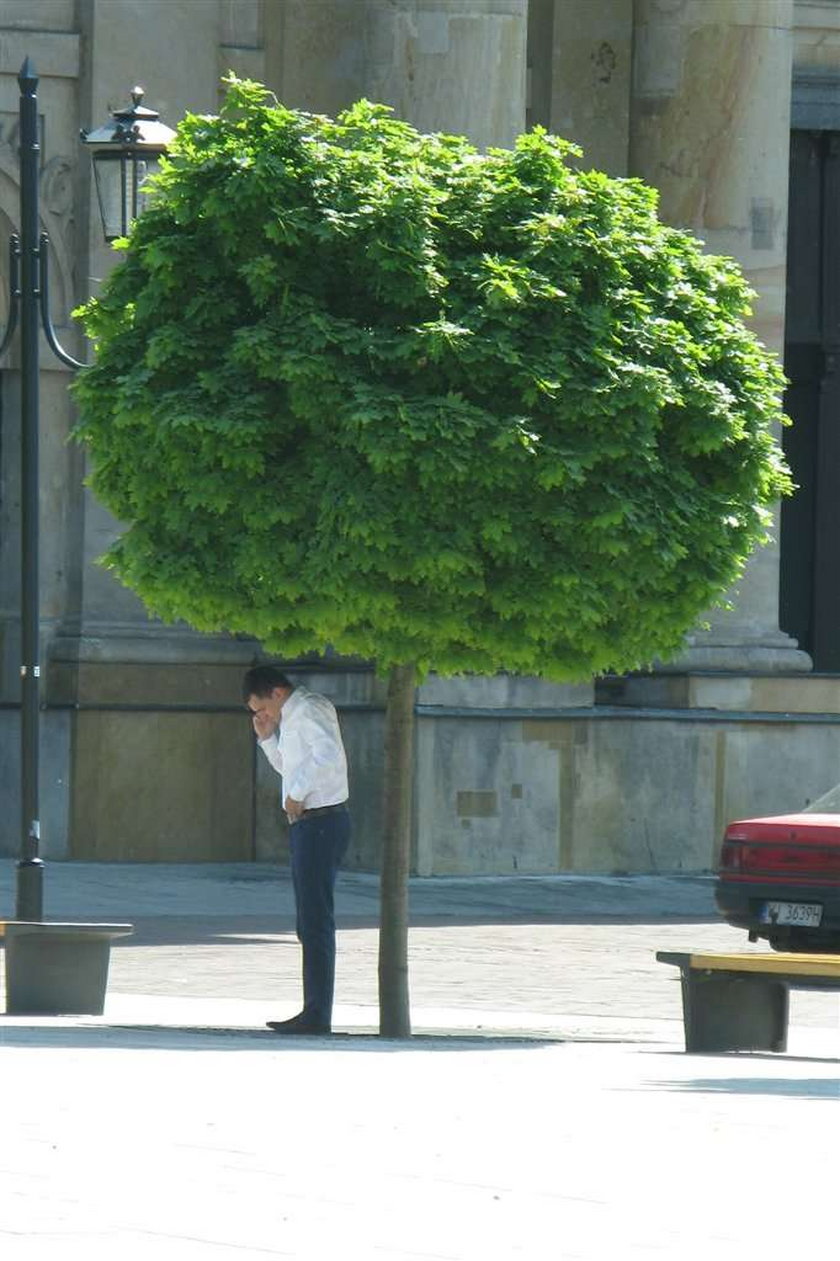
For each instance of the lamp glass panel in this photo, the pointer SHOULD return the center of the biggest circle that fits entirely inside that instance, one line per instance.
(108, 173)
(142, 166)
(120, 181)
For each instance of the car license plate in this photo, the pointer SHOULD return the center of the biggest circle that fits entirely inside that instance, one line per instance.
(796, 914)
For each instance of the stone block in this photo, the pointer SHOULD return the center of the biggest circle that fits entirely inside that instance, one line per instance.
(158, 786)
(487, 803)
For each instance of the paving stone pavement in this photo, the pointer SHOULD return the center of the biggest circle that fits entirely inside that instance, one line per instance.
(544, 1108)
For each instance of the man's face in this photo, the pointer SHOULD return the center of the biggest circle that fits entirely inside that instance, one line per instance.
(268, 706)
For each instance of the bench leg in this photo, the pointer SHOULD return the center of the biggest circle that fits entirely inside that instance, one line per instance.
(733, 1013)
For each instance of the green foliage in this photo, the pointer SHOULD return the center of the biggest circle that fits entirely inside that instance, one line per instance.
(361, 387)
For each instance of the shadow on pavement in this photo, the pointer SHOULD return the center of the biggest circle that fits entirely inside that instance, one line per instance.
(793, 1088)
(172, 930)
(189, 1038)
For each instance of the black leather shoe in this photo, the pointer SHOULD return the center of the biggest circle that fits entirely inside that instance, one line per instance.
(298, 1024)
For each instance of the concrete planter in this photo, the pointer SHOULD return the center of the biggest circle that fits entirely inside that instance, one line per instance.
(58, 969)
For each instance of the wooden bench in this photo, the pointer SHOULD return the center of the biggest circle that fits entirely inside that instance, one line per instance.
(57, 969)
(739, 1002)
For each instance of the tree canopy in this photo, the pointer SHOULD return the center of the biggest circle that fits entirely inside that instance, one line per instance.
(362, 387)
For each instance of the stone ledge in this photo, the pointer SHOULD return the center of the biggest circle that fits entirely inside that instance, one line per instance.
(55, 54)
(503, 692)
(746, 693)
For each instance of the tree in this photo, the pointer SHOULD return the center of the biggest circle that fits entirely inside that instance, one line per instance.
(369, 389)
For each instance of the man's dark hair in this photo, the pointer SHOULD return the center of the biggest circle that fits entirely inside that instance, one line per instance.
(262, 680)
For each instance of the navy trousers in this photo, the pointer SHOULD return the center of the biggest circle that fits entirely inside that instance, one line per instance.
(318, 845)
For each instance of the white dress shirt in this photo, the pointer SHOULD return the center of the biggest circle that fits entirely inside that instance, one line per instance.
(308, 752)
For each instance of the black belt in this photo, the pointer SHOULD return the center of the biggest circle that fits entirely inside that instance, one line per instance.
(308, 814)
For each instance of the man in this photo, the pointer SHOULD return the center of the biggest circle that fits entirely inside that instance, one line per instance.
(298, 732)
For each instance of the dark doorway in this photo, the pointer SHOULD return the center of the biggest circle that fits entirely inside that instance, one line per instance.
(810, 535)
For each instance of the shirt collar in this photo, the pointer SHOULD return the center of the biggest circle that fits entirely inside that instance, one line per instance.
(297, 697)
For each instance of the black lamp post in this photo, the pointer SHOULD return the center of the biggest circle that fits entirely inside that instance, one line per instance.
(124, 152)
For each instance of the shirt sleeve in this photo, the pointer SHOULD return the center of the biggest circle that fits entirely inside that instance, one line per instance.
(271, 749)
(322, 748)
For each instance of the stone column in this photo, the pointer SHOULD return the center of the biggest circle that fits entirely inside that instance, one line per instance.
(147, 712)
(109, 621)
(444, 65)
(589, 57)
(710, 128)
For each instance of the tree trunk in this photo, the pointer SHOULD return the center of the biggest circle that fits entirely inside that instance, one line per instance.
(394, 1012)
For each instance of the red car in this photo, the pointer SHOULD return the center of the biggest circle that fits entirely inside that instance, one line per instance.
(779, 877)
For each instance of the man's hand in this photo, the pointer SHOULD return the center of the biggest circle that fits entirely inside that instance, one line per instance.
(294, 809)
(264, 724)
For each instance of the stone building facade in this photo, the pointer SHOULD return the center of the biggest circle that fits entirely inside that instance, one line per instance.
(147, 754)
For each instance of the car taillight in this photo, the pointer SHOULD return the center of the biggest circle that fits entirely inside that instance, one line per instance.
(764, 858)
(730, 856)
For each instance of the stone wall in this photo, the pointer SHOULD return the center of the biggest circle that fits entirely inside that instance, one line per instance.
(618, 787)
